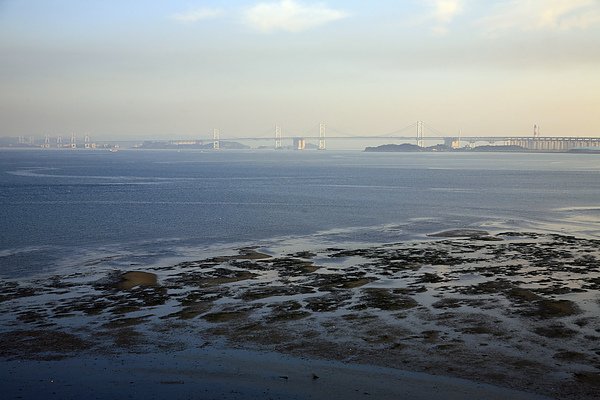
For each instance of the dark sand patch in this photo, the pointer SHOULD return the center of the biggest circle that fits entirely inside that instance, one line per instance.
(386, 299)
(335, 282)
(521, 294)
(555, 331)
(12, 290)
(570, 356)
(590, 378)
(208, 277)
(224, 316)
(549, 308)
(40, 344)
(244, 254)
(459, 233)
(329, 302)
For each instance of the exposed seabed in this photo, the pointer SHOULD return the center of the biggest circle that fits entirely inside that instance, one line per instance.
(518, 310)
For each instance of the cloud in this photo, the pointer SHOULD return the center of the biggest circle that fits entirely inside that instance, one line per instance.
(196, 15)
(290, 15)
(443, 13)
(446, 10)
(528, 15)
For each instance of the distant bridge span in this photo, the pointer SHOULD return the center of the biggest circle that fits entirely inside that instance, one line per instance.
(549, 143)
(422, 133)
(432, 138)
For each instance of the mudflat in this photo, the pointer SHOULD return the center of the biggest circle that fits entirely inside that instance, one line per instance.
(517, 310)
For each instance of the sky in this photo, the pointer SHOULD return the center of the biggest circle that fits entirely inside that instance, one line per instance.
(132, 69)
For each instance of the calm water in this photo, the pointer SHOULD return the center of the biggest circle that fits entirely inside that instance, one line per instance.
(60, 207)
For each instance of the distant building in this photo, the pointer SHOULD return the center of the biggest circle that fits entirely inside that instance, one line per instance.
(452, 142)
(299, 143)
(185, 142)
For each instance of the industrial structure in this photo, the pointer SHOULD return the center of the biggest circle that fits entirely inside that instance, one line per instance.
(558, 144)
(452, 142)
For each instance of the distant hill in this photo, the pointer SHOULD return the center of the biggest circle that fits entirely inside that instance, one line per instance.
(411, 148)
(405, 147)
(223, 144)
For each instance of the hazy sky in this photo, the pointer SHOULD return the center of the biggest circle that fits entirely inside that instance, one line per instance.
(165, 69)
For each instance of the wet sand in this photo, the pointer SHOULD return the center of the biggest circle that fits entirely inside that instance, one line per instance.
(517, 310)
(212, 373)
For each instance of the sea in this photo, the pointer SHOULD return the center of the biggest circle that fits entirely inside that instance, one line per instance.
(63, 210)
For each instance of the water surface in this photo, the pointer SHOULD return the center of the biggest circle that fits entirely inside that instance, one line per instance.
(59, 207)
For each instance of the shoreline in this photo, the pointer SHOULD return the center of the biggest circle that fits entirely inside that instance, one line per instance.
(514, 309)
(151, 253)
(218, 373)
(372, 149)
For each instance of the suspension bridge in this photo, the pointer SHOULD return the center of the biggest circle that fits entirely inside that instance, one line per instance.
(419, 133)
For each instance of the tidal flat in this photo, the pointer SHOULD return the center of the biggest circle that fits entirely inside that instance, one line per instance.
(519, 310)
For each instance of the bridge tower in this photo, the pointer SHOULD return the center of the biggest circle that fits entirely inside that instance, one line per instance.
(73, 141)
(321, 136)
(420, 141)
(86, 141)
(46, 141)
(216, 140)
(278, 138)
(59, 141)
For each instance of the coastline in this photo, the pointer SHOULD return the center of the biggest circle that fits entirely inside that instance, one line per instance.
(514, 309)
(219, 373)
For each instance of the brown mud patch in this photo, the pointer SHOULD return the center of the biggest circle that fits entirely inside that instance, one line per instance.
(12, 290)
(287, 311)
(191, 311)
(556, 308)
(210, 277)
(386, 299)
(131, 279)
(461, 233)
(40, 344)
(244, 254)
(328, 303)
(570, 356)
(272, 291)
(590, 378)
(555, 331)
(225, 316)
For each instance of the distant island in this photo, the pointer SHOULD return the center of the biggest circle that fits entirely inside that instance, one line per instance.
(412, 148)
(190, 144)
